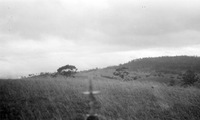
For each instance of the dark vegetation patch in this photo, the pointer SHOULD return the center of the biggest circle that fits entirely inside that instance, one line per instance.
(166, 64)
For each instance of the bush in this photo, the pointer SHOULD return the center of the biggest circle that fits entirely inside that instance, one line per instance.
(121, 72)
(172, 82)
(189, 77)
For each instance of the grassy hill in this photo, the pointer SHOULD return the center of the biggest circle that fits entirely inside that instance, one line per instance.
(149, 97)
(166, 64)
(61, 98)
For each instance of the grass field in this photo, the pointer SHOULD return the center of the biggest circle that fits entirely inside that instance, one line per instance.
(60, 98)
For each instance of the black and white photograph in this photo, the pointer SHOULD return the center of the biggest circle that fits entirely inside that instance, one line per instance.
(99, 59)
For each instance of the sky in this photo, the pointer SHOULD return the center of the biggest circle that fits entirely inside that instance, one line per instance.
(43, 35)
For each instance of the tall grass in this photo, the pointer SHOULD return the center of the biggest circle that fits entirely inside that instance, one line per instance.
(62, 99)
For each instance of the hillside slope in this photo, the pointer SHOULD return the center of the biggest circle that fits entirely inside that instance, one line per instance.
(166, 64)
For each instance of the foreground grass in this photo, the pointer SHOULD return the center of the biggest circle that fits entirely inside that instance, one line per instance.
(62, 99)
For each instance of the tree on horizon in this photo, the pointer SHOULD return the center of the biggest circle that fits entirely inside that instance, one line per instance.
(67, 70)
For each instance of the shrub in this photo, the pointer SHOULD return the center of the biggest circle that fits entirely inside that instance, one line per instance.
(121, 72)
(189, 77)
(171, 82)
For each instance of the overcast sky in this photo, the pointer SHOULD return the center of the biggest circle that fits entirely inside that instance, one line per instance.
(42, 35)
